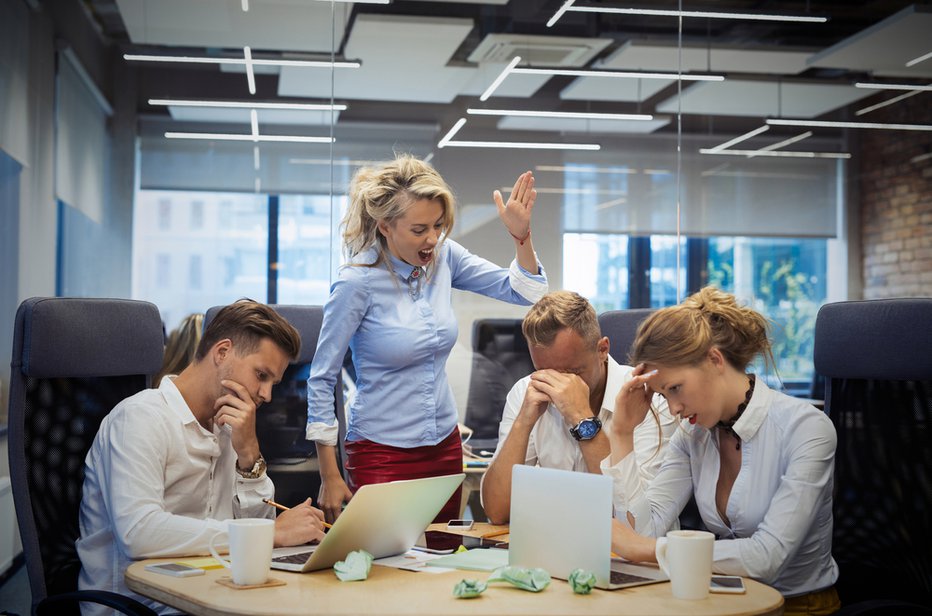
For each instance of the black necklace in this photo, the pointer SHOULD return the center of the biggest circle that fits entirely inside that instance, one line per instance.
(729, 426)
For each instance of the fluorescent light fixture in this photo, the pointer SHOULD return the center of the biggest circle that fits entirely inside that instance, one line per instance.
(245, 4)
(740, 138)
(254, 122)
(586, 169)
(921, 58)
(556, 16)
(522, 145)
(826, 124)
(254, 138)
(607, 204)
(895, 99)
(561, 114)
(921, 157)
(573, 191)
(700, 14)
(571, 72)
(786, 142)
(336, 161)
(501, 77)
(456, 127)
(246, 105)
(258, 184)
(239, 62)
(250, 75)
(429, 157)
(778, 154)
(255, 157)
(894, 86)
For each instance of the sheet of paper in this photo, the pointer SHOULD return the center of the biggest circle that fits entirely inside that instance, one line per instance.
(412, 560)
(478, 559)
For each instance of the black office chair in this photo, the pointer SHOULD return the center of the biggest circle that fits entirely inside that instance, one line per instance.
(281, 423)
(73, 361)
(500, 359)
(876, 357)
(621, 326)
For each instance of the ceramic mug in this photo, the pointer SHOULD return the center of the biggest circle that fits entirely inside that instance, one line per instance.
(251, 542)
(686, 556)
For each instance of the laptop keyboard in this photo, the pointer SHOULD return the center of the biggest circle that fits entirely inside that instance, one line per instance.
(293, 559)
(619, 577)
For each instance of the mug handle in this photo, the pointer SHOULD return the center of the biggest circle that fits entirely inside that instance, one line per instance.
(660, 551)
(213, 551)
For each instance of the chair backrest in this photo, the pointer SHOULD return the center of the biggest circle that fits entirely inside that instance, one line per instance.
(876, 357)
(500, 359)
(620, 326)
(280, 424)
(73, 361)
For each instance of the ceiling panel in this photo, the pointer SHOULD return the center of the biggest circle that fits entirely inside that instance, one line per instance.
(652, 57)
(886, 47)
(289, 25)
(762, 98)
(576, 125)
(404, 58)
(613, 89)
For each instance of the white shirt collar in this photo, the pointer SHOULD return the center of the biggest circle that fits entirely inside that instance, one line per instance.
(755, 413)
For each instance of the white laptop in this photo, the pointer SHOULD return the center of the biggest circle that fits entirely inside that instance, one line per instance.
(562, 520)
(384, 519)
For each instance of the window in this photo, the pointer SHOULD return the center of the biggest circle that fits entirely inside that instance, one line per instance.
(197, 214)
(309, 247)
(165, 214)
(606, 285)
(194, 272)
(163, 265)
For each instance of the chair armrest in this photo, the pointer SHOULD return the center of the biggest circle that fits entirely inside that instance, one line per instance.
(51, 605)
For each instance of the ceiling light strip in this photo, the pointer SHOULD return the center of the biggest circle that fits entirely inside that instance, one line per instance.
(254, 122)
(255, 157)
(826, 124)
(250, 75)
(740, 138)
(456, 127)
(239, 62)
(894, 86)
(556, 16)
(895, 99)
(501, 77)
(567, 72)
(778, 154)
(921, 58)
(921, 157)
(786, 142)
(522, 145)
(700, 14)
(640, 117)
(254, 138)
(246, 105)
(245, 5)
(586, 169)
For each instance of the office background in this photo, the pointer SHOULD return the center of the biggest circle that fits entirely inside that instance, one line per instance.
(97, 200)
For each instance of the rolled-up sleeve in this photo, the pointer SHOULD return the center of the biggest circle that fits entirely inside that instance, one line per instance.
(343, 312)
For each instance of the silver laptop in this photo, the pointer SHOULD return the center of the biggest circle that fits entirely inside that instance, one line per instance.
(384, 519)
(562, 520)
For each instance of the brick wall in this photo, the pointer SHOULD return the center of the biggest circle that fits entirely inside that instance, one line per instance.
(896, 202)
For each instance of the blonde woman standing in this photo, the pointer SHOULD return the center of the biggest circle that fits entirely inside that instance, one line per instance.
(392, 306)
(759, 462)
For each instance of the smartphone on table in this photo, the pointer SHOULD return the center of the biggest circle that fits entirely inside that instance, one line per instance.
(460, 524)
(175, 569)
(727, 584)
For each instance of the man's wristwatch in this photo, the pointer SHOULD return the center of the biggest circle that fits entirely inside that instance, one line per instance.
(255, 472)
(586, 429)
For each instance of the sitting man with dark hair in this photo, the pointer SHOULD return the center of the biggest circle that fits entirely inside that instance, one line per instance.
(170, 466)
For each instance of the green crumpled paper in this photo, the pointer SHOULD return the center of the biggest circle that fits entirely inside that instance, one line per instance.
(469, 589)
(356, 566)
(581, 581)
(534, 580)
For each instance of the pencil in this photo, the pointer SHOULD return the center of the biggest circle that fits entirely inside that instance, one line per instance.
(497, 533)
(280, 507)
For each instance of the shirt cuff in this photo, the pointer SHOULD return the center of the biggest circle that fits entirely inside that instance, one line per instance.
(627, 493)
(530, 286)
(320, 432)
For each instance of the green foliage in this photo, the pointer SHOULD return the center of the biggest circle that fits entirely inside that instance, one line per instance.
(788, 298)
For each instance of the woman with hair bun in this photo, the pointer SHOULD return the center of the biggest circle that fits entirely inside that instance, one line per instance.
(391, 305)
(758, 461)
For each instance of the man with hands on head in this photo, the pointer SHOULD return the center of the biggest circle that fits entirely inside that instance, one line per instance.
(558, 416)
(170, 466)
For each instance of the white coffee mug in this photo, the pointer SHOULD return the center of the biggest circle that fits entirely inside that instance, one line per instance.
(251, 542)
(686, 556)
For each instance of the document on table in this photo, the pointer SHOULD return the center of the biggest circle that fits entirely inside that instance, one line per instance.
(412, 560)
(479, 559)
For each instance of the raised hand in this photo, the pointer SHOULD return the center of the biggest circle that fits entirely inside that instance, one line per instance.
(516, 213)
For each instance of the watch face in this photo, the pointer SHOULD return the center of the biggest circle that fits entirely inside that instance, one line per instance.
(587, 429)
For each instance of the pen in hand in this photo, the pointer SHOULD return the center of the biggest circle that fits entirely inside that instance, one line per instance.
(280, 507)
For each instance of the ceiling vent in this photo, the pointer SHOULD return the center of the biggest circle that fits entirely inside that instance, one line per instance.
(538, 50)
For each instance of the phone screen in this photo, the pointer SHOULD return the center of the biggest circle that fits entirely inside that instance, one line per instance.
(463, 523)
(726, 582)
(173, 567)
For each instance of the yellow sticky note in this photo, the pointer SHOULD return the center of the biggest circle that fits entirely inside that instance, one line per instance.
(201, 563)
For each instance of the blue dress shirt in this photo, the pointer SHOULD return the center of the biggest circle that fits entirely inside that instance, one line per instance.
(401, 328)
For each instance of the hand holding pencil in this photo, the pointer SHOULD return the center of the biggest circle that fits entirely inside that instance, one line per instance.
(296, 525)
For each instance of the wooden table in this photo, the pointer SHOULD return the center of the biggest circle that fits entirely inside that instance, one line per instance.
(390, 592)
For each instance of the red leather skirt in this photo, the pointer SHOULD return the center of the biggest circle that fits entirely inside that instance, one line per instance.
(368, 462)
